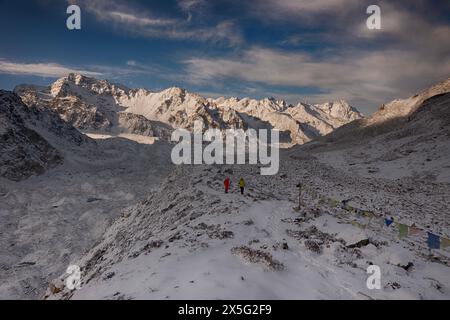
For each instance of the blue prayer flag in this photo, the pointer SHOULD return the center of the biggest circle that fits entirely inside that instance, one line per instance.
(434, 241)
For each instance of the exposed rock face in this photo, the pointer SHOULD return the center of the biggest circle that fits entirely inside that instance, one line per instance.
(23, 152)
(33, 138)
(137, 124)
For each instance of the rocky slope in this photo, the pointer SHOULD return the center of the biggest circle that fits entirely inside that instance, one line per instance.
(189, 240)
(98, 105)
(389, 117)
(32, 139)
(405, 137)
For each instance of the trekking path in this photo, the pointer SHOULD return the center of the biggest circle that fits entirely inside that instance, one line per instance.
(190, 240)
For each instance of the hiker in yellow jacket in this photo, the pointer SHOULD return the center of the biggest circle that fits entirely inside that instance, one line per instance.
(242, 185)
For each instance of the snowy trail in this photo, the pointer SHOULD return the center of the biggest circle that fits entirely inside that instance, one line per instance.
(215, 271)
(212, 245)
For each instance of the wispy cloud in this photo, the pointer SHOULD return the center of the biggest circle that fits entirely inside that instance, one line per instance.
(306, 12)
(56, 70)
(364, 66)
(51, 70)
(129, 18)
(192, 7)
(305, 7)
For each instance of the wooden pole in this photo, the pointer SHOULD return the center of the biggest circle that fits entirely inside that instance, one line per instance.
(299, 186)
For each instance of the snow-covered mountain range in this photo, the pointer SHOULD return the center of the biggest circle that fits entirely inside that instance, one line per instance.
(98, 105)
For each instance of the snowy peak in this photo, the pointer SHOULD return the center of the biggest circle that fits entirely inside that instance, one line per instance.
(404, 107)
(339, 110)
(91, 104)
(73, 82)
(173, 106)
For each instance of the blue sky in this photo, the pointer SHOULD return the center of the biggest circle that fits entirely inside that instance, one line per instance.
(297, 50)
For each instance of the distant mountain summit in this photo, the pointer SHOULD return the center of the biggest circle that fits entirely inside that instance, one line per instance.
(99, 105)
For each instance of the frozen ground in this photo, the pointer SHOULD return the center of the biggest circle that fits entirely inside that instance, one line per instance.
(129, 136)
(188, 240)
(421, 157)
(49, 220)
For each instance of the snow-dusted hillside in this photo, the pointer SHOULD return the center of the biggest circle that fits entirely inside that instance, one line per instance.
(409, 137)
(98, 105)
(189, 240)
(388, 118)
(48, 217)
(48, 220)
(33, 139)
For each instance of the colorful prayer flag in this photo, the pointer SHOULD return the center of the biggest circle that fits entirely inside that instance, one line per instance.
(434, 241)
(402, 230)
(445, 243)
(368, 214)
(413, 231)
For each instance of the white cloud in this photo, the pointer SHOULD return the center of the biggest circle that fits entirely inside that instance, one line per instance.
(41, 69)
(293, 40)
(132, 19)
(307, 6)
(364, 78)
(197, 8)
(141, 22)
(305, 11)
(56, 70)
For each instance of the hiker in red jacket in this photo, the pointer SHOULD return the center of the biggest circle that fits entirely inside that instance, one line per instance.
(226, 183)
